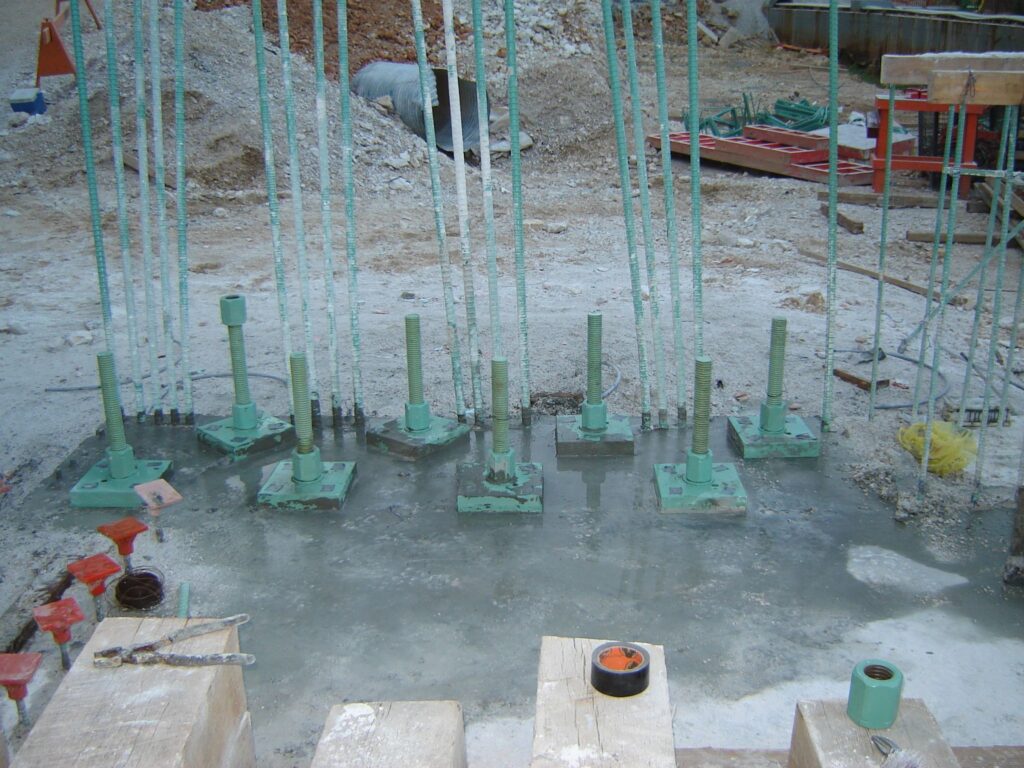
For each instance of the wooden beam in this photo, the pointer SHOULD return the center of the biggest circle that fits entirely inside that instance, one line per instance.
(858, 270)
(896, 199)
(960, 238)
(575, 725)
(989, 88)
(858, 381)
(705, 757)
(914, 70)
(848, 223)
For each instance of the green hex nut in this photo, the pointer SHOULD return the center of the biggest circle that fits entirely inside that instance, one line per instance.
(232, 310)
(875, 688)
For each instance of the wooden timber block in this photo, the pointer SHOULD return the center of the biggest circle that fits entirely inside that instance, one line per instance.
(410, 734)
(988, 88)
(915, 69)
(145, 716)
(575, 725)
(825, 737)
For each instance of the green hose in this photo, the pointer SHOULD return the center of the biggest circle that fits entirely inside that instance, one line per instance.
(833, 202)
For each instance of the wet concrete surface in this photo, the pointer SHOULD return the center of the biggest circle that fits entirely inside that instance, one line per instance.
(398, 596)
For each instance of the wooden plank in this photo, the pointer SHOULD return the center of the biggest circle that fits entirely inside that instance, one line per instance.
(968, 757)
(145, 716)
(988, 88)
(858, 381)
(961, 238)
(859, 270)
(575, 725)
(848, 223)
(896, 199)
(914, 70)
(986, 194)
(786, 136)
(411, 734)
(825, 737)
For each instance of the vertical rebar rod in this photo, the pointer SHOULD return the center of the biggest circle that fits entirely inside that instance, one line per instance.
(668, 189)
(979, 301)
(182, 208)
(499, 398)
(348, 181)
(159, 177)
(933, 266)
(271, 176)
(414, 359)
(116, 142)
(701, 404)
(882, 246)
(627, 209)
(693, 92)
(295, 177)
(90, 173)
(439, 225)
(833, 206)
(647, 229)
(116, 439)
(303, 403)
(594, 358)
(145, 210)
(519, 248)
(487, 183)
(947, 259)
(462, 202)
(323, 155)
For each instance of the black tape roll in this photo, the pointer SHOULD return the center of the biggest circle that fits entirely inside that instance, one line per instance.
(620, 669)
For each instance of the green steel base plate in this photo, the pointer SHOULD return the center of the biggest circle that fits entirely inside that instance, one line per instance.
(97, 489)
(524, 494)
(237, 443)
(328, 492)
(795, 442)
(392, 438)
(572, 440)
(724, 493)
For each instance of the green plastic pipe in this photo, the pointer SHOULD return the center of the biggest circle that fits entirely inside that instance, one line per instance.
(151, 382)
(627, 209)
(647, 229)
(833, 201)
(90, 174)
(882, 244)
(486, 181)
(323, 154)
(159, 176)
(517, 210)
(439, 226)
(114, 92)
(693, 92)
(671, 233)
(182, 208)
(348, 180)
(295, 177)
(271, 175)
(462, 203)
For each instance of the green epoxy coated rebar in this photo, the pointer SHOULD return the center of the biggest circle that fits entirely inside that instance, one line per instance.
(486, 181)
(182, 208)
(271, 176)
(882, 246)
(701, 404)
(159, 183)
(414, 359)
(303, 404)
(90, 174)
(116, 439)
(323, 155)
(348, 178)
(151, 383)
(517, 209)
(236, 342)
(776, 361)
(693, 90)
(499, 398)
(594, 358)
(833, 210)
(295, 177)
(627, 209)
(114, 92)
(439, 225)
(671, 234)
(647, 229)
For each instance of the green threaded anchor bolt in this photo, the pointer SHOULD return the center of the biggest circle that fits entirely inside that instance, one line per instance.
(417, 411)
(232, 314)
(306, 463)
(501, 467)
(698, 460)
(120, 454)
(773, 411)
(594, 413)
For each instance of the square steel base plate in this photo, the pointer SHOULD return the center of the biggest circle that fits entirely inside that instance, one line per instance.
(524, 494)
(392, 438)
(723, 494)
(572, 440)
(795, 442)
(328, 492)
(97, 489)
(237, 443)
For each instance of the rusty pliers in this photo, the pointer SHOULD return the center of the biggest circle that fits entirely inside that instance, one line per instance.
(150, 653)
